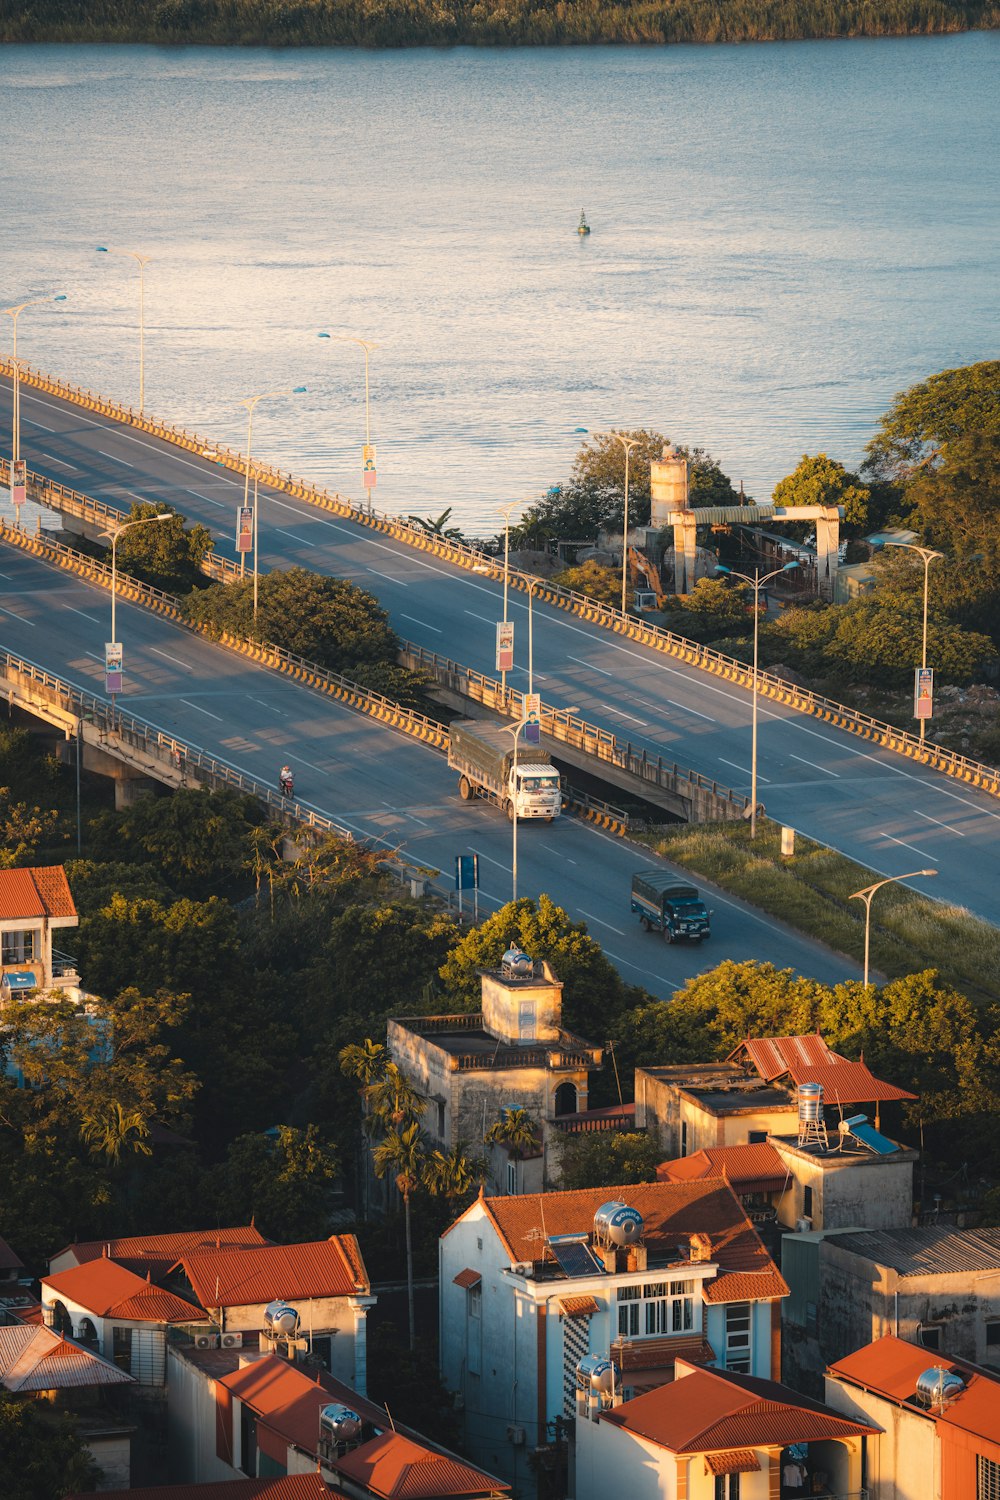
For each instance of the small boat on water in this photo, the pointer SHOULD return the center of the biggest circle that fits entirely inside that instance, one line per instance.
(583, 227)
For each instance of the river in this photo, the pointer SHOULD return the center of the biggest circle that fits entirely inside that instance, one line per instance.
(784, 236)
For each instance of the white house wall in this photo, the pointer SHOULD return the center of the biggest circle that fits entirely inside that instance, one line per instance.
(904, 1463)
(191, 1424)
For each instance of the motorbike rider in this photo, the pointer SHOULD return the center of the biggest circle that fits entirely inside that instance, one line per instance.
(286, 781)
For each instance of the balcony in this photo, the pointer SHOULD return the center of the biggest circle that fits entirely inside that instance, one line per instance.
(64, 967)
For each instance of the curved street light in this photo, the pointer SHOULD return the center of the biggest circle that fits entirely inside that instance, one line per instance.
(142, 261)
(15, 447)
(927, 556)
(756, 583)
(627, 445)
(866, 896)
(250, 402)
(368, 348)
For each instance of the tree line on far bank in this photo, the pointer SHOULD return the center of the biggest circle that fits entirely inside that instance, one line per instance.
(398, 23)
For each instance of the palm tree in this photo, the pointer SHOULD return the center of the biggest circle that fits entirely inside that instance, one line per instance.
(434, 526)
(393, 1100)
(452, 1174)
(401, 1153)
(365, 1061)
(110, 1129)
(515, 1130)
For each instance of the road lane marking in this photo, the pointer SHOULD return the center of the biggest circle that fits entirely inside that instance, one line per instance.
(964, 800)
(279, 711)
(116, 460)
(591, 918)
(94, 657)
(802, 761)
(9, 577)
(19, 618)
(199, 496)
(922, 852)
(301, 540)
(389, 578)
(60, 461)
(42, 425)
(175, 659)
(590, 667)
(82, 612)
(622, 714)
(927, 818)
(697, 712)
(491, 861)
(311, 764)
(474, 616)
(744, 770)
(422, 623)
(198, 709)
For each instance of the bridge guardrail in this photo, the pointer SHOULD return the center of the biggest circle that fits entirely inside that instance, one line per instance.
(901, 742)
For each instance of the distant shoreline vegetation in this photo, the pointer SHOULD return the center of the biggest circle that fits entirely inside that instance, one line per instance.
(411, 23)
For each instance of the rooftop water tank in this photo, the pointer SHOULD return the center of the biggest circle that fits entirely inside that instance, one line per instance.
(516, 964)
(339, 1423)
(280, 1320)
(595, 1373)
(810, 1096)
(617, 1224)
(937, 1386)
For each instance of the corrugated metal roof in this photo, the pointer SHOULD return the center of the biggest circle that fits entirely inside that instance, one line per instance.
(396, 1468)
(739, 1461)
(932, 1250)
(288, 1487)
(578, 1307)
(40, 892)
(709, 1411)
(808, 1059)
(890, 1368)
(671, 1212)
(243, 1278)
(660, 1354)
(107, 1289)
(37, 1359)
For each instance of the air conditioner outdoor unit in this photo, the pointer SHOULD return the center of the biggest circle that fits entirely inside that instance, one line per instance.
(515, 1435)
(206, 1341)
(802, 1226)
(231, 1340)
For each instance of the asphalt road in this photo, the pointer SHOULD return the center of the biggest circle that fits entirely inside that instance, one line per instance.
(377, 783)
(870, 804)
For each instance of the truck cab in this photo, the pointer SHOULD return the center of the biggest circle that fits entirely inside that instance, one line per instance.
(539, 792)
(667, 906)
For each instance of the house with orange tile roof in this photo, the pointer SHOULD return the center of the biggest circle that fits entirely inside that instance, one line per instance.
(123, 1316)
(324, 1280)
(645, 1275)
(713, 1435)
(155, 1254)
(35, 903)
(940, 1420)
(255, 1413)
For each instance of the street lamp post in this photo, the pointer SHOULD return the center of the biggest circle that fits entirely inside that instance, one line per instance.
(515, 730)
(15, 445)
(532, 585)
(142, 261)
(627, 445)
(866, 896)
(505, 511)
(250, 403)
(368, 348)
(756, 583)
(927, 556)
(114, 534)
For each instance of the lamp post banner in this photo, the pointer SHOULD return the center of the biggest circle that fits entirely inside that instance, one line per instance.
(532, 718)
(505, 645)
(923, 693)
(113, 668)
(244, 528)
(19, 481)
(368, 465)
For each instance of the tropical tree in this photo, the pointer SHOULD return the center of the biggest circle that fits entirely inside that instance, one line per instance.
(435, 526)
(393, 1100)
(931, 416)
(452, 1174)
(366, 1061)
(819, 480)
(515, 1131)
(168, 556)
(41, 1452)
(400, 1154)
(593, 579)
(109, 1129)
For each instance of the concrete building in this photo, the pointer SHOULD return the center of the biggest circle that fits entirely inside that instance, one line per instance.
(940, 1421)
(513, 1052)
(34, 904)
(325, 1281)
(935, 1287)
(716, 1436)
(531, 1283)
(753, 1094)
(124, 1317)
(246, 1412)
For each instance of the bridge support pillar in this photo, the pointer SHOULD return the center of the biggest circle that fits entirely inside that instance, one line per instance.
(132, 789)
(685, 524)
(827, 551)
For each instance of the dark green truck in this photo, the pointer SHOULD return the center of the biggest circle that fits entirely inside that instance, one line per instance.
(665, 905)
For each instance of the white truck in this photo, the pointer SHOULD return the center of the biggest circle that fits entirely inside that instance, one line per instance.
(482, 753)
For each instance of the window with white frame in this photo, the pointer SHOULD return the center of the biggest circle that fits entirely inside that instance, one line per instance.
(655, 1309)
(738, 1316)
(987, 1478)
(511, 1177)
(20, 947)
(474, 1328)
